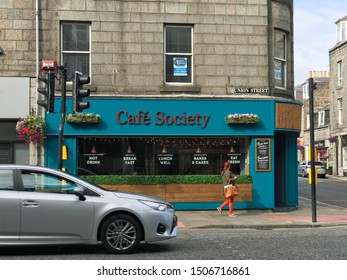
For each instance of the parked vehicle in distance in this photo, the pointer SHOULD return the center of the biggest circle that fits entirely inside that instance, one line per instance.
(305, 166)
(41, 206)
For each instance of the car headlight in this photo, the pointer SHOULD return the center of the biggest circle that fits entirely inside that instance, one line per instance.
(155, 205)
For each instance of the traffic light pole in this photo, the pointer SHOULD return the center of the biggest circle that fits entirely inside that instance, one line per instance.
(63, 71)
(313, 169)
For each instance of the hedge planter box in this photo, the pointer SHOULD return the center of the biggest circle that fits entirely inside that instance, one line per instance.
(82, 118)
(186, 192)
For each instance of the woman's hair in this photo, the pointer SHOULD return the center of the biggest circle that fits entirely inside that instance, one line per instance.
(226, 165)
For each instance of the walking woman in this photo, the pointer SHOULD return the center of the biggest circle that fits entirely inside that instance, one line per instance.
(228, 178)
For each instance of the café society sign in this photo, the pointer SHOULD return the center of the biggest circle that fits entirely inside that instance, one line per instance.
(161, 118)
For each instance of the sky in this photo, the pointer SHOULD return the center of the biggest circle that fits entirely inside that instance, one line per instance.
(314, 34)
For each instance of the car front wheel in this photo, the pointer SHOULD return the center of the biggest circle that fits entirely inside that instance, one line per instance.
(120, 234)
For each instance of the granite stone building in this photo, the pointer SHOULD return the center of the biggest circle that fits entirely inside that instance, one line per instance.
(321, 120)
(338, 101)
(169, 80)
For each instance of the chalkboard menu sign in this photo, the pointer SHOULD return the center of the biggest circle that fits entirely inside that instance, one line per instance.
(262, 150)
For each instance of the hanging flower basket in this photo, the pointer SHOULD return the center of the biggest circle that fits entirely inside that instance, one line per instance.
(332, 139)
(241, 119)
(83, 118)
(31, 129)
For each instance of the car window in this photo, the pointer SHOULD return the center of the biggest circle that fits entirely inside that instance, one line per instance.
(41, 182)
(316, 163)
(6, 180)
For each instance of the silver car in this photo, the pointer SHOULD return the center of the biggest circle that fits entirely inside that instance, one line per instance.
(305, 166)
(40, 206)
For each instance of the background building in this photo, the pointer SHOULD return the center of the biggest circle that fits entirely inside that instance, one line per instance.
(338, 100)
(321, 119)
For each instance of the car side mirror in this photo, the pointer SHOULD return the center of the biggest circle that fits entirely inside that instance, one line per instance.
(79, 191)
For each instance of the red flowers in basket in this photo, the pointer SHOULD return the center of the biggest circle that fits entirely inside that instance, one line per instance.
(31, 129)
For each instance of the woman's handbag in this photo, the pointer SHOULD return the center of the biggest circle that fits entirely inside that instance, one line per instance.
(231, 191)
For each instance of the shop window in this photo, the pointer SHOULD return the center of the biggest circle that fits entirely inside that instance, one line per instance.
(178, 54)
(160, 156)
(280, 67)
(75, 47)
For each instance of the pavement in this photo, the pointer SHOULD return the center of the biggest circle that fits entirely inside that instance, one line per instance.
(326, 215)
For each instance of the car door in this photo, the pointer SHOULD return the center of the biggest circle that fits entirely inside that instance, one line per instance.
(9, 208)
(51, 212)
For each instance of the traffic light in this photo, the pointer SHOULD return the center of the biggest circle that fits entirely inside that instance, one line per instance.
(78, 105)
(47, 91)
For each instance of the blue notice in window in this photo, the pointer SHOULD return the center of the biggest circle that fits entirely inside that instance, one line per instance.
(180, 66)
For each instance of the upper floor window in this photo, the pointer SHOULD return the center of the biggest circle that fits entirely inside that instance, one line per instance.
(341, 31)
(321, 118)
(339, 73)
(178, 54)
(305, 93)
(75, 47)
(280, 59)
(339, 112)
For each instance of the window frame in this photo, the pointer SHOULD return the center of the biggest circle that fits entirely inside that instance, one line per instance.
(321, 118)
(179, 54)
(339, 111)
(341, 33)
(339, 73)
(65, 52)
(281, 60)
(305, 93)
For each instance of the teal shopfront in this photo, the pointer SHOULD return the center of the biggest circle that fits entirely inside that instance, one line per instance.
(179, 137)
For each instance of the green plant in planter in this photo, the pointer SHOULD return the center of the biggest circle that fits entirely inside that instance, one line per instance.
(161, 179)
(241, 118)
(82, 118)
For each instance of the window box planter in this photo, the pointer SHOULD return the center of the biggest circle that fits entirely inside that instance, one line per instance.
(83, 118)
(241, 119)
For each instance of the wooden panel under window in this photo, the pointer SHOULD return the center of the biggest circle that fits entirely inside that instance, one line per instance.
(186, 192)
(288, 116)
